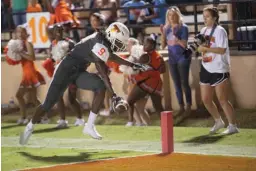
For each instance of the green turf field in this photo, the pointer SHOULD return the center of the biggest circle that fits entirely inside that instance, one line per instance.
(49, 146)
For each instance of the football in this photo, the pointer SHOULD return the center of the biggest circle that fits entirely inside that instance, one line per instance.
(119, 105)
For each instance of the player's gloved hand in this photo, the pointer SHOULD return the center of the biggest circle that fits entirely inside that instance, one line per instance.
(119, 104)
(141, 67)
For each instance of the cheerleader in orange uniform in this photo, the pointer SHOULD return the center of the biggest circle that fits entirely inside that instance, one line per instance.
(31, 77)
(149, 82)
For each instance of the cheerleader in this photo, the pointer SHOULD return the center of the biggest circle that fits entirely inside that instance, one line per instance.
(141, 116)
(60, 46)
(148, 82)
(21, 51)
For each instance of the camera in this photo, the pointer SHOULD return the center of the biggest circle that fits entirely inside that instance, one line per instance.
(198, 40)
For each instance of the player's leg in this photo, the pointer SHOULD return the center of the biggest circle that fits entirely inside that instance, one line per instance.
(61, 79)
(91, 81)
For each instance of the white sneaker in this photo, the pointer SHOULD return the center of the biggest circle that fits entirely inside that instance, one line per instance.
(217, 126)
(104, 112)
(129, 124)
(79, 122)
(231, 129)
(91, 130)
(24, 137)
(62, 124)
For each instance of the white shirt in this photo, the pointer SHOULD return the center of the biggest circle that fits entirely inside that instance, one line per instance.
(213, 62)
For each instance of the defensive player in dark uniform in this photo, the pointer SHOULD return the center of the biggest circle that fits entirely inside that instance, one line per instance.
(97, 48)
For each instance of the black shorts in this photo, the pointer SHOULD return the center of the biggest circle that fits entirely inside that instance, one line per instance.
(212, 79)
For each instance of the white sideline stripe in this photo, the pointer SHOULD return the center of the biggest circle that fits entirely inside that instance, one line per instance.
(80, 148)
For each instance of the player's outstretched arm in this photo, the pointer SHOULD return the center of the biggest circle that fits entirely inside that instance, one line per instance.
(115, 58)
(135, 66)
(103, 71)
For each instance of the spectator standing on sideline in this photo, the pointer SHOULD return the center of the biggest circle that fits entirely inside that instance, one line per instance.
(175, 35)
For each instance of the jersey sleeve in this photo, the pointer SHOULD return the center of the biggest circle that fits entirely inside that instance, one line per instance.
(101, 51)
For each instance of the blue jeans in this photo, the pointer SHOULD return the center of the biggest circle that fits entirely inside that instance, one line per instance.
(180, 75)
(19, 18)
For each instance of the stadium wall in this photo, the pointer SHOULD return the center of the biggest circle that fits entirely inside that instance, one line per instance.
(242, 92)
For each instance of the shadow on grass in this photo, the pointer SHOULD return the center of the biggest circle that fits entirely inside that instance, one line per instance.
(81, 157)
(205, 139)
(11, 126)
(47, 130)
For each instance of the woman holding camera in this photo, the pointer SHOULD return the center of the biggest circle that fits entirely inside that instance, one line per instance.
(175, 35)
(214, 74)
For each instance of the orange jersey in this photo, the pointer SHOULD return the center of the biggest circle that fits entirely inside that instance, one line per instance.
(36, 8)
(150, 81)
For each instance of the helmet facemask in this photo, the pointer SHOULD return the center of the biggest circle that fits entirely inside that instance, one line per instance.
(117, 45)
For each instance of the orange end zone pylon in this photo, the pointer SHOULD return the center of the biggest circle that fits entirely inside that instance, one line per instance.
(167, 132)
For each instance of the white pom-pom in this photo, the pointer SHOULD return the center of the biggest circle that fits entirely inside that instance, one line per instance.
(14, 47)
(60, 50)
(137, 51)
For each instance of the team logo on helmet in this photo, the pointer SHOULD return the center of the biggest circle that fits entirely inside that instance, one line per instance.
(115, 29)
